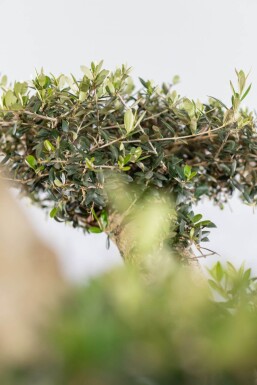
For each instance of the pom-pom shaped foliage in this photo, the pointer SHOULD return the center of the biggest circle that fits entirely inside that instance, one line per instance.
(63, 138)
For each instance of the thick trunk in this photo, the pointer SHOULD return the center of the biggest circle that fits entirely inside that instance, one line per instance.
(126, 234)
(120, 234)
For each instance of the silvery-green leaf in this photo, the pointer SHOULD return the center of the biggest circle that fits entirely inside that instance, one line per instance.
(9, 99)
(82, 96)
(3, 82)
(241, 81)
(189, 107)
(176, 79)
(58, 183)
(41, 80)
(129, 120)
(87, 72)
(110, 87)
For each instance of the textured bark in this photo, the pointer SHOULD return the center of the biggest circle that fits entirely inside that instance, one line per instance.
(122, 233)
(119, 233)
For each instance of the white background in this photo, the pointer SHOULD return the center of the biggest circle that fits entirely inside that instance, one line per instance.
(201, 40)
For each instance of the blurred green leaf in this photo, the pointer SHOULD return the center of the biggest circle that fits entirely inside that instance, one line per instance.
(31, 161)
(95, 230)
(129, 120)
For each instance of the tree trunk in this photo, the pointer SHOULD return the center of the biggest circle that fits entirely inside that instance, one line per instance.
(126, 234)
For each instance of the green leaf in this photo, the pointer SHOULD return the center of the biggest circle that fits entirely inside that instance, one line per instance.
(20, 88)
(247, 197)
(126, 159)
(3, 81)
(144, 138)
(197, 218)
(205, 223)
(232, 87)
(247, 275)
(98, 66)
(231, 270)
(31, 161)
(110, 87)
(129, 120)
(246, 92)
(187, 171)
(58, 183)
(219, 101)
(41, 80)
(193, 174)
(135, 153)
(192, 232)
(241, 81)
(53, 212)
(95, 230)
(61, 81)
(175, 79)
(233, 167)
(88, 73)
(90, 163)
(189, 107)
(219, 271)
(218, 288)
(82, 96)
(65, 126)
(101, 77)
(48, 146)
(104, 219)
(9, 99)
(201, 190)
(143, 82)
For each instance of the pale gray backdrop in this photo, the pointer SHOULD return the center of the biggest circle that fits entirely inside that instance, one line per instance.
(201, 40)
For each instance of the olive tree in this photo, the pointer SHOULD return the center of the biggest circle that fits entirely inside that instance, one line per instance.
(64, 139)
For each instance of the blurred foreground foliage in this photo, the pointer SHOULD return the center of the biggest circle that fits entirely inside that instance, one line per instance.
(121, 329)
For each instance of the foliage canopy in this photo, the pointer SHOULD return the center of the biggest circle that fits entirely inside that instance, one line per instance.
(63, 138)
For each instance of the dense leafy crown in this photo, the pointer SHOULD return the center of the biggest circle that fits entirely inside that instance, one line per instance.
(63, 137)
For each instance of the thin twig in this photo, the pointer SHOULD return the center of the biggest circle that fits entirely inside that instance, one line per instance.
(222, 146)
(177, 138)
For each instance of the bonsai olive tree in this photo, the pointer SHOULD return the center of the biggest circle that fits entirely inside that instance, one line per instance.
(64, 139)
(97, 153)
